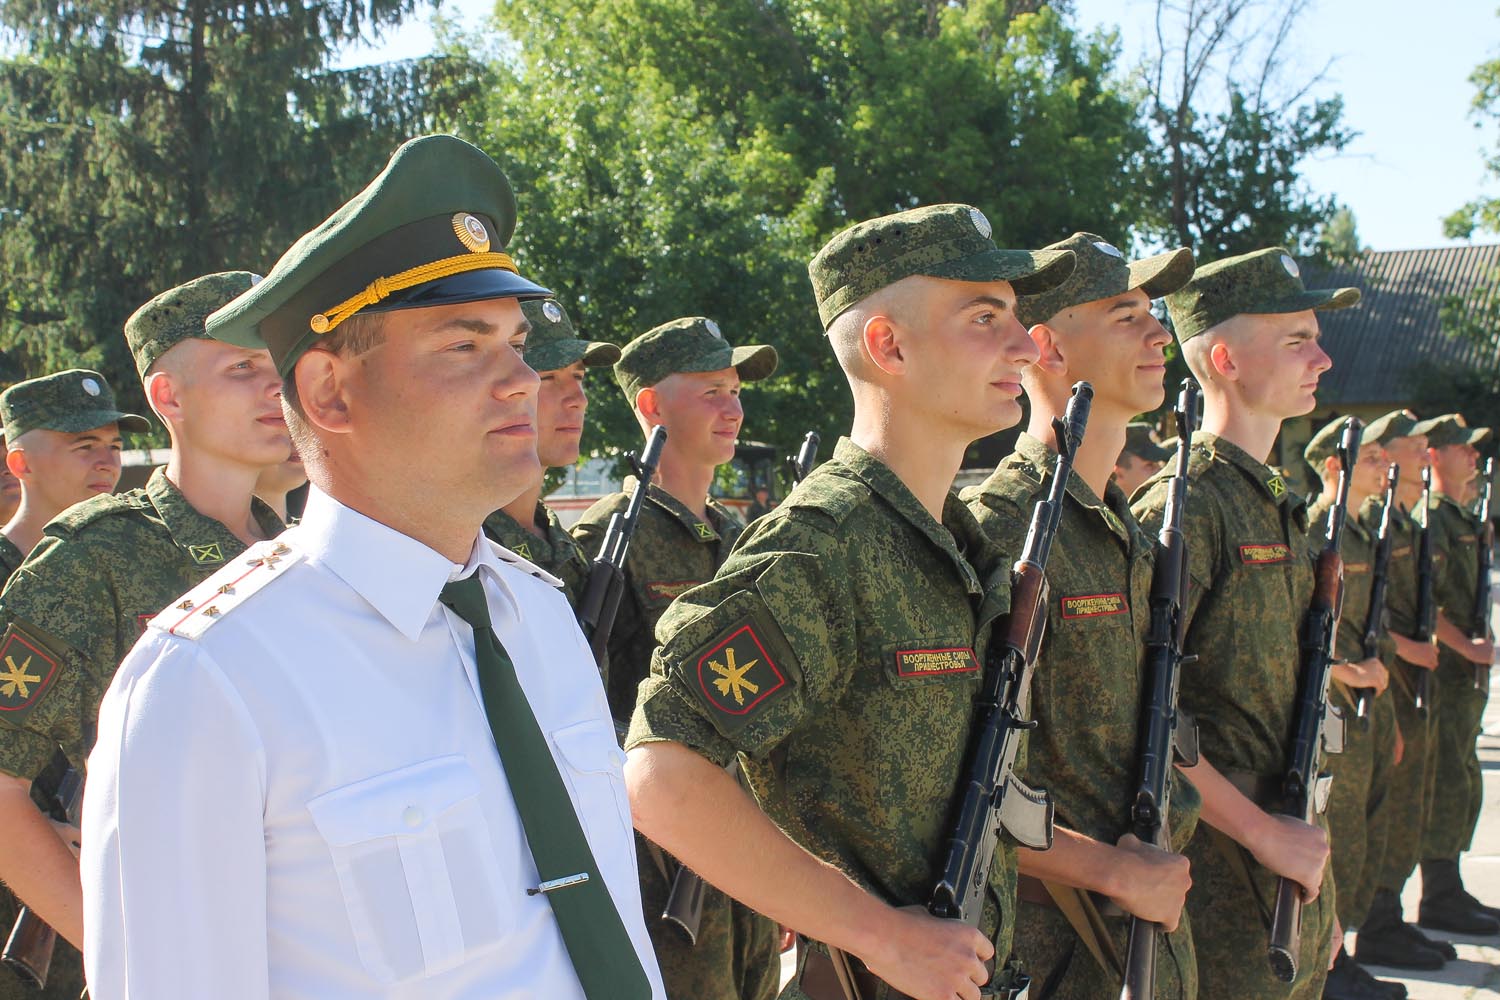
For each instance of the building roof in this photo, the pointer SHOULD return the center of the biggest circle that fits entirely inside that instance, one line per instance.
(1396, 325)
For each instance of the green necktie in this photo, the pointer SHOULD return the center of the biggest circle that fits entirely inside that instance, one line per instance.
(601, 950)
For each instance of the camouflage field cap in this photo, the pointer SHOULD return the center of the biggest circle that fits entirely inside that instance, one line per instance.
(553, 343)
(178, 314)
(1140, 439)
(1325, 443)
(1450, 428)
(692, 344)
(1265, 281)
(1102, 272)
(1389, 427)
(71, 401)
(430, 230)
(938, 241)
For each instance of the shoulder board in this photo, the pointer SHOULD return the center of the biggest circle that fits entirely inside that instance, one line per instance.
(1016, 486)
(80, 515)
(830, 494)
(524, 565)
(599, 512)
(246, 574)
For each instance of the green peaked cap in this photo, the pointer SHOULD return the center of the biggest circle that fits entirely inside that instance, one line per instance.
(690, 344)
(72, 401)
(1450, 428)
(1263, 281)
(553, 343)
(1102, 272)
(179, 313)
(429, 230)
(1325, 443)
(1141, 441)
(1390, 426)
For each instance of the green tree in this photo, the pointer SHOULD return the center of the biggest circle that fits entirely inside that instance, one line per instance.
(148, 143)
(1483, 213)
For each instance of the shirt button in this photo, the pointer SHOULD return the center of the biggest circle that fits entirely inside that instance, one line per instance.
(412, 817)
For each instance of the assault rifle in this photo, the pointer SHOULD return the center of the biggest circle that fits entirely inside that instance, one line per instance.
(1426, 599)
(1481, 629)
(802, 464)
(1163, 729)
(28, 950)
(990, 796)
(1380, 572)
(606, 584)
(1315, 726)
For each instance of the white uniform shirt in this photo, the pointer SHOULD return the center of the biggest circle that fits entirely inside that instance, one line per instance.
(299, 795)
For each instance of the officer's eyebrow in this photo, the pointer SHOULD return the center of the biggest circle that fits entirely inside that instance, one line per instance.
(483, 328)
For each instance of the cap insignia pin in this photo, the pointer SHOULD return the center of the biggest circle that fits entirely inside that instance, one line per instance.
(471, 232)
(552, 311)
(980, 222)
(91, 387)
(1107, 248)
(713, 329)
(1291, 266)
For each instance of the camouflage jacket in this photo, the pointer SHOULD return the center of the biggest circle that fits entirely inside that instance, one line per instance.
(839, 650)
(1358, 549)
(671, 552)
(1455, 533)
(1087, 690)
(102, 570)
(1401, 586)
(1251, 582)
(557, 552)
(10, 559)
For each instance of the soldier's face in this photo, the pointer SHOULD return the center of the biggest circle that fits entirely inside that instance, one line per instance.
(1132, 470)
(1454, 463)
(445, 406)
(1411, 454)
(1368, 475)
(560, 406)
(228, 402)
(1277, 363)
(963, 352)
(1119, 346)
(61, 469)
(281, 478)
(702, 414)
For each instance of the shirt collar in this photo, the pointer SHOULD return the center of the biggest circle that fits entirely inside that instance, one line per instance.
(399, 576)
(1113, 509)
(1268, 479)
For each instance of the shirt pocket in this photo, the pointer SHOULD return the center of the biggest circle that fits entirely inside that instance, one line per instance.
(593, 766)
(417, 865)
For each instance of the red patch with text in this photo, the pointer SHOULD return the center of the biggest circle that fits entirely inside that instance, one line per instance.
(1094, 605)
(1265, 554)
(931, 662)
(661, 590)
(27, 670)
(738, 673)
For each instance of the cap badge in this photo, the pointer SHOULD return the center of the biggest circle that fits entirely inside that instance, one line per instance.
(256, 279)
(471, 232)
(980, 222)
(713, 329)
(1291, 266)
(1108, 249)
(91, 387)
(552, 311)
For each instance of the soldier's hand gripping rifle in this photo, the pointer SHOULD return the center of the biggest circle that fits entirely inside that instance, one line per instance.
(28, 950)
(1481, 629)
(1369, 643)
(606, 583)
(1165, 734)
(990, 796)
(802, 464)
(1426, 597)
(1304, 786)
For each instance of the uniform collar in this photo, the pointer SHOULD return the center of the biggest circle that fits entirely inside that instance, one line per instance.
(1439, 499)
(1043, 460)
(698, 530)
(1267, 479)
(399, 576)
(1318, 513)
(514, 535)
(206, 541)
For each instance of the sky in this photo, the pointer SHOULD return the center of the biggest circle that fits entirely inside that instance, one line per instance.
(1403, 77)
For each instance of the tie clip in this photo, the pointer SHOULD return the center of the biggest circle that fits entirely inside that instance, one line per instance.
(551, 885)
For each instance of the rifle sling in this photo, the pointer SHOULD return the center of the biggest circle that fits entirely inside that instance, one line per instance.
(1083, 914)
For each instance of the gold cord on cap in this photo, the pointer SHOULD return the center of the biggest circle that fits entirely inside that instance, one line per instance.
(378, 289)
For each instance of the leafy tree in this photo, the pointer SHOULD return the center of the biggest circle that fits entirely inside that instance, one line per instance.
(149, 143)
(1483, 213)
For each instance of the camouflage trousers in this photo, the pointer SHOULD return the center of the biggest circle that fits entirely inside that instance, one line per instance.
(1358, 813)
(64, 978)
(1410, 794)
(1458, 785)
(1062, 967)
(1231, 927)
(737, 956)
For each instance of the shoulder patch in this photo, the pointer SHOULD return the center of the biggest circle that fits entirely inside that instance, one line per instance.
(27, 669)
(1264, 554)
(833, 495)
(1094, 605)
(197, 610)
(80, 515)
(736, 674)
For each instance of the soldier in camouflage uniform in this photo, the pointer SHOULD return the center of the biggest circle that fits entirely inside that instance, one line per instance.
(10, 489)
(526, 526)
(276, 483)
(837, 653)
(1357, 813)
(1142, 457)
(64, 431)
(1250, 335)
(109, 564)
(1087, 690)
(1458, 785)
(685, 377)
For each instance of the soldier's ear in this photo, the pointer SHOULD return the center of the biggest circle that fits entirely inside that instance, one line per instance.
(15, 461)
(1051, 360)
(1221, 359)
(881, 339)
(648, 405)
(161, 395)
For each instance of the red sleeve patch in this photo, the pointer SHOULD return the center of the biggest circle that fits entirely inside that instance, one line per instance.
(738, 673)
(27, 670)
(1265, 554)
(668, 590)
(1094, 605)
(931, 662)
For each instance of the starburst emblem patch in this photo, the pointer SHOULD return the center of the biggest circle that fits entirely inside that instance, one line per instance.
(27, 670)
(738, 674)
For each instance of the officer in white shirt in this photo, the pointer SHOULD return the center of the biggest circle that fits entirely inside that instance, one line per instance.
(372, 757)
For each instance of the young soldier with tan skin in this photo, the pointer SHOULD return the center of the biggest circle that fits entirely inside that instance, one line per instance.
(1141, 458)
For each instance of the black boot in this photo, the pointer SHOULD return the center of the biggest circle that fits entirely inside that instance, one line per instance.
(1347, 981)
(1493, 911)
(1440, 945)
(1445, 905)
(1383, 939)
(1382, 988)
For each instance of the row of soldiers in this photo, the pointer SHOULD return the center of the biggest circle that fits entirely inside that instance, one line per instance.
(796, 697)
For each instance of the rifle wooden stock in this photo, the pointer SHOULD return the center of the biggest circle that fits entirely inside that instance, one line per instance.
(28, 950)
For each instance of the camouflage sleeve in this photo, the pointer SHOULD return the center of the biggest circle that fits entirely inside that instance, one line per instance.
(1202, 524)
(747, 657)
(1451, 586)
(61, 644)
